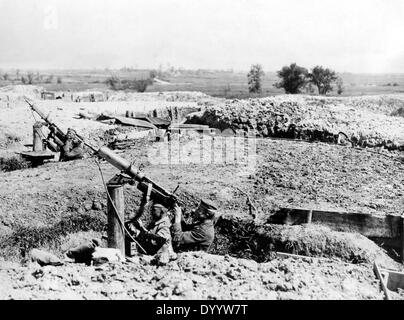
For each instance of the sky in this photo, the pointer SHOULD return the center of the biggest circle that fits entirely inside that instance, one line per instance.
(360, 36)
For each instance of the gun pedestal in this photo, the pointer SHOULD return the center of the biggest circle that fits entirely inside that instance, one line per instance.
(39, 153)
(37, 140)
(115, 231)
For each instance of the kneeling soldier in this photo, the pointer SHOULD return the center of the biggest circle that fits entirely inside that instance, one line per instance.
(196, 236)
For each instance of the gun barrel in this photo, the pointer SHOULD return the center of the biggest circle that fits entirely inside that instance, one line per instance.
(120, 163)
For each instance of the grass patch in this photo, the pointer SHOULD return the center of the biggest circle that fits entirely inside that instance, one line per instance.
(13, 163)
(398, 113)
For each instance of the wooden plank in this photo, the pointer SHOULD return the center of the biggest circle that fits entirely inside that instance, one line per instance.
(378, 273)
(368, 225)
(135, 122)
(395, 279)
(309, 216)
(37, 155)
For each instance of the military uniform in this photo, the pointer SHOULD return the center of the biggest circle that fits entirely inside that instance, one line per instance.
(73, 149)
(162, 228)
(194, 237)
(197, 236)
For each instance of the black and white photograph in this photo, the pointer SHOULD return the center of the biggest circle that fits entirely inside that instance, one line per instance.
(219, 151)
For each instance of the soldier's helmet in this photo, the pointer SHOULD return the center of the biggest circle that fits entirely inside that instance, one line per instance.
(209, 208)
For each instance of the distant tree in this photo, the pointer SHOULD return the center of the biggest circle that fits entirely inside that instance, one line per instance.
(49, 79)
(340, 86)
(138, 85)
(255, 78)
(153, 74)
(112, 82)
(17, 73)
(59, 80)
(293, 78)
(6, 76)
(30, 78)
(23, 80)
(322, 78)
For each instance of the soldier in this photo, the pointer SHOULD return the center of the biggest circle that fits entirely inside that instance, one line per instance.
(197, 236)
(73, 147)
(157, 239)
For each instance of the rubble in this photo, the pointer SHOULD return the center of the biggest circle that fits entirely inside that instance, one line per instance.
(277, 279)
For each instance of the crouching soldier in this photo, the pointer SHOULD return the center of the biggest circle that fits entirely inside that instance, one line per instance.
(73, 148)
(157, 239)
(197, 236)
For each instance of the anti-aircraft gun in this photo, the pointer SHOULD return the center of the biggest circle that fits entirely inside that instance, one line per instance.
(128, 172)
(56, 138)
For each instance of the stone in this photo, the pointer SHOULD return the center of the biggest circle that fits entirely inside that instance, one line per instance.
(103, 255)
(182, 287)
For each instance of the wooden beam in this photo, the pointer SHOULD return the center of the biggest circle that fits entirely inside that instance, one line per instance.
(378, 273)
(388, 226)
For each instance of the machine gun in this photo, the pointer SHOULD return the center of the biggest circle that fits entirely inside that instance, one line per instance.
(144, 184)
(131, 173)
(56, 138)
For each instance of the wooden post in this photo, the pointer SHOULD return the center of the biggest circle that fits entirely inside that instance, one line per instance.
(37, 142)
(309, 216)
(402, 239)
(116, 235)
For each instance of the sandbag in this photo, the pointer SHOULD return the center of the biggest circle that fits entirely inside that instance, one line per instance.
(44, 258)
(83, 253)
(103, 255)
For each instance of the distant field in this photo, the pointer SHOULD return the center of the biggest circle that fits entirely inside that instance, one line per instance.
(215, 83)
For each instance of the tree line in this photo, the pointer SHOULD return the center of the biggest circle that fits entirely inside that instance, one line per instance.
(293, 79)
(30, 78)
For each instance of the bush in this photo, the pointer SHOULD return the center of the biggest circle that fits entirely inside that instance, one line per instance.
(49, 79)
(293, 78)
(112, 82)
(59, 80)
(137, 85)
(30, 78)
(26, 238)
(13, 163)
(399, 112)
(340, 86)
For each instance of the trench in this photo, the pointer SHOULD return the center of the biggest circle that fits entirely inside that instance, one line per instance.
(244, 238)
(292, 131)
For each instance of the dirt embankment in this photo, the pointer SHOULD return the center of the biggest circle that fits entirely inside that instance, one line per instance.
(292, 174)
(367, 121)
